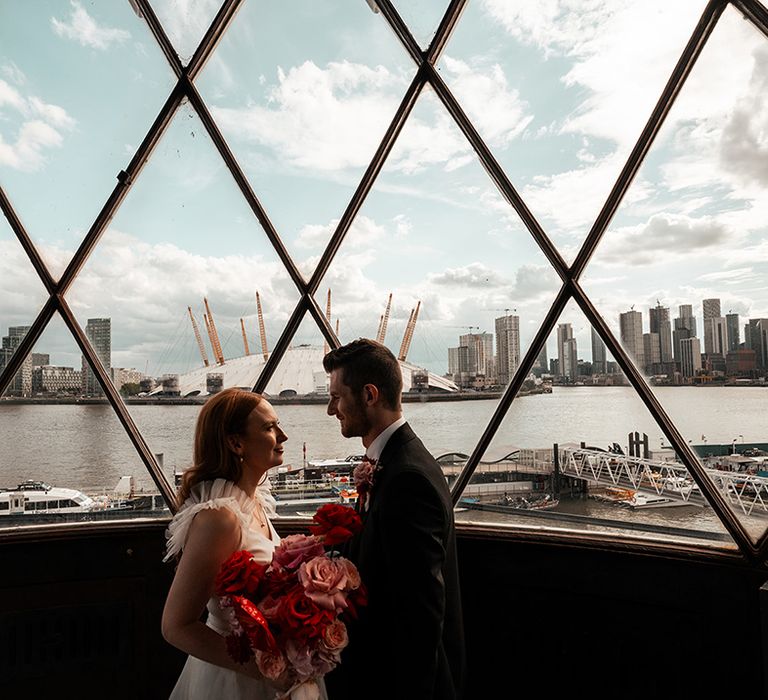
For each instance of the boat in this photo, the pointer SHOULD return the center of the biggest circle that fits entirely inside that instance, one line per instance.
(37, 498)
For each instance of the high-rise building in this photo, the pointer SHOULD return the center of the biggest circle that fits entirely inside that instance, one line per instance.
(570, 362)
(651, 352)
(756, 338)
(541, 361)
(631, 328)
(684, 327)
(733, 330)
(507, 347)
(660, 324)
(564, 332)
(710, 308)
(599, 365)
(690, 356)
(40, 358)
(99, 334)
(480, 356)
(715, 336)
(21, 384)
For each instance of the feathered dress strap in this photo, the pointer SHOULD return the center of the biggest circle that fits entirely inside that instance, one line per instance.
(219, 493)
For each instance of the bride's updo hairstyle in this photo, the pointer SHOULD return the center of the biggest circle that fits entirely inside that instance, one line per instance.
(223, 415)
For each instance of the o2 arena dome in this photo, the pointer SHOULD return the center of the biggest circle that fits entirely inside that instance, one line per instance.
(299, 373)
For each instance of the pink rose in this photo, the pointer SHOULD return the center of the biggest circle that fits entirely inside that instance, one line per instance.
(335, 636)
(295, 549)
(363, 477)
(269, 607)
(353, 576)
(324, 581)
(272, 666)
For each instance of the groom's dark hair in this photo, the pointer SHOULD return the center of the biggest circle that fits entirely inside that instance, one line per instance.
(365, 361)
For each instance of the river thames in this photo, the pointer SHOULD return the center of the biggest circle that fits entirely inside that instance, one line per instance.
(85, 446)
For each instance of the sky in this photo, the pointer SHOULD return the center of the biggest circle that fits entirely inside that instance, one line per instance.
(303, 93)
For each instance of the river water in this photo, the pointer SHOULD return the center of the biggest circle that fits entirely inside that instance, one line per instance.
(85, 446)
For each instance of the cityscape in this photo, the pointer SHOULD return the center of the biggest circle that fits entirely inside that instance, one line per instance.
(668, 350)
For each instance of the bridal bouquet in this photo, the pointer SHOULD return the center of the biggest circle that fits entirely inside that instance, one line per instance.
(289, 614)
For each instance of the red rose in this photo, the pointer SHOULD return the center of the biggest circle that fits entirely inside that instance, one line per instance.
(356, 599)
(239, 648)
(302, 618)
(335, 523)
(239, 575)
(277, 581)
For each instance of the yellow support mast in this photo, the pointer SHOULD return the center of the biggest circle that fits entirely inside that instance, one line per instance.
(383, 322)
(262, 332)
(245, 338)
(203, 353)
(219, 355)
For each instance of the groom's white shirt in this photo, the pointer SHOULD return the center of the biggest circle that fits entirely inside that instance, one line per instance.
(380, 442)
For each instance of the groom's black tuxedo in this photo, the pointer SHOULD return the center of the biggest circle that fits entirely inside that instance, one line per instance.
(408, 642)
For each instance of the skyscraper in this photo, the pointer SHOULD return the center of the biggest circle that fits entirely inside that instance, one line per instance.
(685, 327)
(715, 336)
(711, 311)
(480, 353)
(21, 384)
(631, 328)
(564, 332)
(99, 334)
(734, 332)
(659, 323)
(570, 363)
(710, 308)
(690, 356)
(507, 347)
(598, 354)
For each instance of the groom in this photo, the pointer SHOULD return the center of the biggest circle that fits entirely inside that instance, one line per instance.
(408, 643)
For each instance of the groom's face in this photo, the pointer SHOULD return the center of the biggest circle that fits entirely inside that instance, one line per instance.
(349, 408)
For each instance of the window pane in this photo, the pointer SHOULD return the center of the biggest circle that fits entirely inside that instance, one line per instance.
(79, 87)
(689, 257)
(569, 460)
(560, 92)
(74, 449)
(304, 92)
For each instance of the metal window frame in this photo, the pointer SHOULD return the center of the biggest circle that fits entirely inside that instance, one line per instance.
(426, 75)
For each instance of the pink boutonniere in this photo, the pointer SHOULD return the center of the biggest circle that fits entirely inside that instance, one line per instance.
(364, 477)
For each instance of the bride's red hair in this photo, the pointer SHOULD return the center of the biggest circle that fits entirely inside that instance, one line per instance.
(223, 415)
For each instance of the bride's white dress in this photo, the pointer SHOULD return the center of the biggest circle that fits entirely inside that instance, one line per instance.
(199, 679)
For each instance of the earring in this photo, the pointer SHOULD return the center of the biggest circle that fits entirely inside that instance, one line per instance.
(241, 459)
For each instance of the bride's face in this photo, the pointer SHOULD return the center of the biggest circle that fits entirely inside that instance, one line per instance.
(261, 446)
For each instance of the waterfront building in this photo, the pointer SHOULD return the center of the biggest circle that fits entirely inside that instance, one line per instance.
(710, 308)
(21, 384)
(542, 364)
(715, 336)
(684, 327)
(598, 354)
(99, 333)
(631, 328)
(660, 323)
(121, 376)
(40, 358)
(690, 357)
(741, 363)
(756, 338)
(570, 359)
(507, 347)
(733, 332)
(651, 352)
(51, 379)
(458, 364)
(480, 353)
(564, 333)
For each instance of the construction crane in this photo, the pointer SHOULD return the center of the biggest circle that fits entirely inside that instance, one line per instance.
(245, 338)
(262, 332)
(328, 318)
(199, 340)
(382, 332)
(408, 335)
(214, 336)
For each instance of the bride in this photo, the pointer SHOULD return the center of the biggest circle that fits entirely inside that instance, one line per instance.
(226, 507)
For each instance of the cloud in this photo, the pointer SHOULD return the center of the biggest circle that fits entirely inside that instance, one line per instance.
(11, 71)
(83, 29)
(362, 233)
(40, 128)
(661, 237)
(472, 275)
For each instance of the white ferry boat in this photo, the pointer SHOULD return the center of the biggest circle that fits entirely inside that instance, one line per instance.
(37, 497)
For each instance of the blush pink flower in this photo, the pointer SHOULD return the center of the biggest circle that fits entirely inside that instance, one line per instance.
(353, 575)
(363, 476)
(335, 636)
(324, 582)
(272, 666)
(296, 549)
